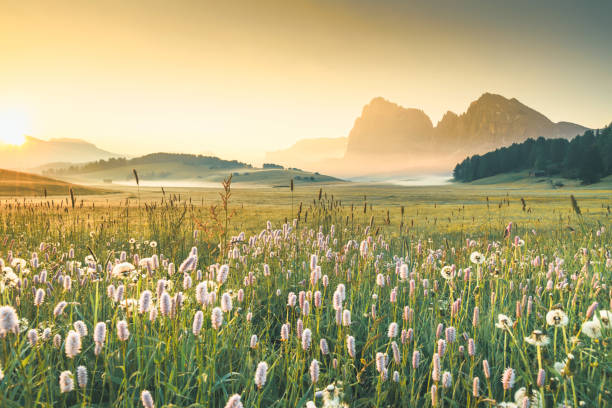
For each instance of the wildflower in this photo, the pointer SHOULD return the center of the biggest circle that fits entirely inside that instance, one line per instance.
(486, 369)
(100, 332)
(222, 274)
(189, 264)
(314, 371)
(565, 368)
(305, 308)
(350, 345)
(66, 382)
(253, 341)
(202, 293)
(522, 399)
(32, 337)
(447, 272)
(392, 331)
(216, 318)
(346, 318)
(260, 374)
(476, 387)
(57, 341)
(508, 378)
(477, 258)
(337, 300)
(324, 347)
(145, 301)
(198, 321)
(591, 310)
(471, 348)
(187, 282)
(299, 328)
(537, 338)
(59, 308)
(604, 319)
(82, 376)
(122, 269)
(147, 399)
(381, 362)
(416, 357)
(557, 317)
(447, 379)
(234, 402)
(396, 352)
(285, 332)
(306, 339)
(39, 298)
(451, 334)
(396, 377)
(73, 344)
(81, 328)
(123, 333)
(226, 302)
(153, 313)
(541, 378)
(67, 282)
(503, 322)
(165, 304)
(592, 329)
(441, 347)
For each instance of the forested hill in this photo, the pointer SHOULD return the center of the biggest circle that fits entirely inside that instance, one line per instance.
(587, 158)
(154, 158)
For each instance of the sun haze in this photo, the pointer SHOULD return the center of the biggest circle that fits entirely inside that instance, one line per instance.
(241, 78)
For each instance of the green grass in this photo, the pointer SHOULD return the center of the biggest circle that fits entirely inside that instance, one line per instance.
(438, 226)
(176, 171)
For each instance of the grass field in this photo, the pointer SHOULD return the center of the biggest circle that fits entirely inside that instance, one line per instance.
(354, 295)
(18, 184)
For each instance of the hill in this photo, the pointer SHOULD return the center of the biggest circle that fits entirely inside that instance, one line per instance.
(36, 152)
(14, 183)
(195, 170)
(587, 158)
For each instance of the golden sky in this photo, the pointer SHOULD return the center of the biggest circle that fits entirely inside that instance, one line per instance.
(237, 78)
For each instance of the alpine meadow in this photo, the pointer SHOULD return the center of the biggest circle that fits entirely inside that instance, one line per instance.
(305, 204)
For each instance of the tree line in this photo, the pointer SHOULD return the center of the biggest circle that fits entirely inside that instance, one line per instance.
(154, 158)
(586, 157)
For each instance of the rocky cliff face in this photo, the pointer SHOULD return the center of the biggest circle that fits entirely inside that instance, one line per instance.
(385, 127)
(386, 130)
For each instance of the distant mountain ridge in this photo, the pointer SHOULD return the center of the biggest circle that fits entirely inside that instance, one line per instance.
(308, 153)
(390, 139)
(491, 121)
(36, 152)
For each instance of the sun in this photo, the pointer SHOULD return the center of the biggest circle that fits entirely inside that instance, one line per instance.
(12, 128)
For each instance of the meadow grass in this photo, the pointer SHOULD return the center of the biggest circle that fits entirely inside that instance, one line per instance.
(340, 265)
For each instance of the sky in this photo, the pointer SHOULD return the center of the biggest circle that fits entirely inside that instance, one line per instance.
(238, 78)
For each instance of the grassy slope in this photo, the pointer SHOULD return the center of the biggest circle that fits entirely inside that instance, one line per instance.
(522, 179)
(180, 171)
(14, 183)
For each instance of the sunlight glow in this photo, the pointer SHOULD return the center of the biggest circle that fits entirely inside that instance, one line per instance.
(12, 128)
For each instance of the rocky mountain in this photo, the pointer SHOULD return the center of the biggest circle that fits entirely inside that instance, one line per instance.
(493, 121)
(389, 138)
(36, 152)
(309, 153)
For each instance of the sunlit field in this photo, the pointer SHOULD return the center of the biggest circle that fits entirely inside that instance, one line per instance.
(346, 296)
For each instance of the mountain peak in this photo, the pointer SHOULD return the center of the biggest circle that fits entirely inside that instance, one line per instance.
(386, 129)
